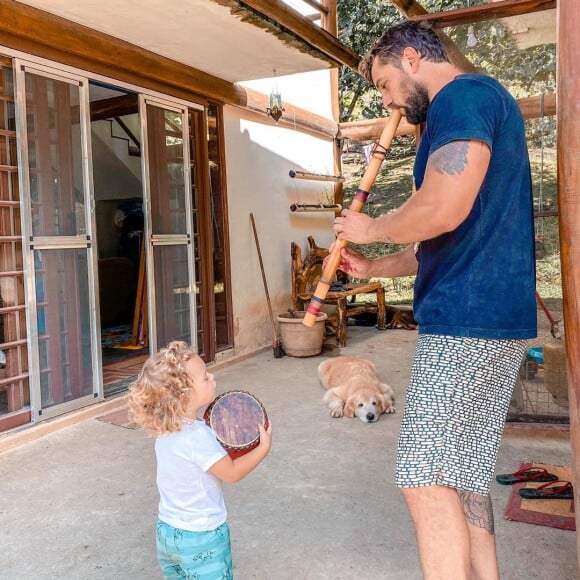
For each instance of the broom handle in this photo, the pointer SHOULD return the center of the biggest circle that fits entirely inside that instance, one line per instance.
(264, 277)
(545, 309)
(357, 204)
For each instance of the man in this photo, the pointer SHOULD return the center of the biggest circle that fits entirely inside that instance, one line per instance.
(470, 226)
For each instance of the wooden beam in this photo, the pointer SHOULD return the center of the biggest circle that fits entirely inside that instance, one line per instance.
(330, 23)
(371, 130)
(291, 20)
(114, 107)
(410, 9)
(483, 12)
(37, 32)
(568, 148)
(531, 108)
(42, 34)
(318, 5)
(293, 117)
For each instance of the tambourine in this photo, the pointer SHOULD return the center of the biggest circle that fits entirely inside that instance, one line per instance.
(234, 417)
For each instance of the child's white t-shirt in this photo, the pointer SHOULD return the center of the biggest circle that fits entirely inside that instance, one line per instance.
(191, 498)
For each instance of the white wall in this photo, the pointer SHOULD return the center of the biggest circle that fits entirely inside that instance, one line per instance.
(258, 160)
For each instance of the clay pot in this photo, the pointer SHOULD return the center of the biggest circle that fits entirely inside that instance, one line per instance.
(300, 340)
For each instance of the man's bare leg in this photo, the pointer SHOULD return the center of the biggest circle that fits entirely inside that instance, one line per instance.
(479, 515)
(442, 532)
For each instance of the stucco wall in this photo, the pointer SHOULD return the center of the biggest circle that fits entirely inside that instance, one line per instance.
(258, 159)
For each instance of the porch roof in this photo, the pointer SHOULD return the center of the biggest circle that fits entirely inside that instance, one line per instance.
(228, 39)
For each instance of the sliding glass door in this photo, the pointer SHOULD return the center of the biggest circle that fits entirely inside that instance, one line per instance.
(59, 255)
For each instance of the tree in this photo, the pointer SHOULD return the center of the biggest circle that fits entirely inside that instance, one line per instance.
(360, 22)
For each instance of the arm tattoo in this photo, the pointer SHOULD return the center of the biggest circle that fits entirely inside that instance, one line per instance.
(383, 238)
(477, 509)
(451, 158)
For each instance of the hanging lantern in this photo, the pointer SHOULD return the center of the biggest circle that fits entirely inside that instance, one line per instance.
(275, 109)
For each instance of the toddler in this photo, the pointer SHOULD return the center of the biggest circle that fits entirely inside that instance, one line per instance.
(193, 538)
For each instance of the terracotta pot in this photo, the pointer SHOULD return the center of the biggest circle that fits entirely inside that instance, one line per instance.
(300, 340)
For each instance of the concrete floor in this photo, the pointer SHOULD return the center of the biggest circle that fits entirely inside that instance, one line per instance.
(81, 502)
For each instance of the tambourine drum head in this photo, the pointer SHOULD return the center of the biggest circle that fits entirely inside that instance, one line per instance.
(234, 417)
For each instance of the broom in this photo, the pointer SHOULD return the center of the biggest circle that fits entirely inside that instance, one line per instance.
(277, 346)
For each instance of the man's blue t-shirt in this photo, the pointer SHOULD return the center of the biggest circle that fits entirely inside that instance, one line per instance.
(479, 280)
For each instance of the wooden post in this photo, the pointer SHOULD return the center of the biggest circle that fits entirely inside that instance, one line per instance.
(330, 24)
(568, 92)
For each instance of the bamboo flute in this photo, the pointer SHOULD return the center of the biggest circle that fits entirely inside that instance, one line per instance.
(357, 204)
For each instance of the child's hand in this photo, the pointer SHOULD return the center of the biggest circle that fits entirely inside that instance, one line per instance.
(265, 436)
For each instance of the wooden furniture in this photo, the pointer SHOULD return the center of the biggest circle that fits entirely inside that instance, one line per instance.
(305, 275)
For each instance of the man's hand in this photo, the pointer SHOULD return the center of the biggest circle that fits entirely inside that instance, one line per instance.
(353, 226)
(352, 263)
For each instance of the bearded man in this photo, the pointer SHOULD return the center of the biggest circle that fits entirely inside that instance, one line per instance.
(471, 235)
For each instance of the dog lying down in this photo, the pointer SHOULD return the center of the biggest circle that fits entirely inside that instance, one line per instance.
(354, 389)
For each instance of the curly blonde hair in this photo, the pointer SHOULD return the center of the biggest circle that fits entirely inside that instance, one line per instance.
(163, 389)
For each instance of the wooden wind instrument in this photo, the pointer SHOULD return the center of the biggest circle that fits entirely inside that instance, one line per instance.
(360, 197)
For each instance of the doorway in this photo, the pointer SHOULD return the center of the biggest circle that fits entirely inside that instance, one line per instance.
(120, 225)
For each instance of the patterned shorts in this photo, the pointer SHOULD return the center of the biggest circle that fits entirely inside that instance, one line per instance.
(457, 401)
(194, 555)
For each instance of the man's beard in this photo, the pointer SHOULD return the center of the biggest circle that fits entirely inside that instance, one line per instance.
(417, 102)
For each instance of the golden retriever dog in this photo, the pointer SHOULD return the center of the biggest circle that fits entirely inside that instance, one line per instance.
(354, 389)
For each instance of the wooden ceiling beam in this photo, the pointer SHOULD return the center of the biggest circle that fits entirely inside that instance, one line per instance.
(318, 5)
(300, 26)
(293, 117)
(483, 12)
(43, 34)
(114, 107)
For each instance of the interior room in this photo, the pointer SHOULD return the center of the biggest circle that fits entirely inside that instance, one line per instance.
(118, 195)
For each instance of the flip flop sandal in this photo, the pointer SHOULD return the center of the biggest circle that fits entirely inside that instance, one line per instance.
(526, 474)
(550, 490)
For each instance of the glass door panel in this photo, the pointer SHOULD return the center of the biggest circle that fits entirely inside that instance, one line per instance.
(64, 329)
(166, 171)
(54, 157)
(170, 259)
(173, 308)
(58, 231)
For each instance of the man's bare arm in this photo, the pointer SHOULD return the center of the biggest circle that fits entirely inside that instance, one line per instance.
(402, 263)
(356, 264)
(453, 178)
